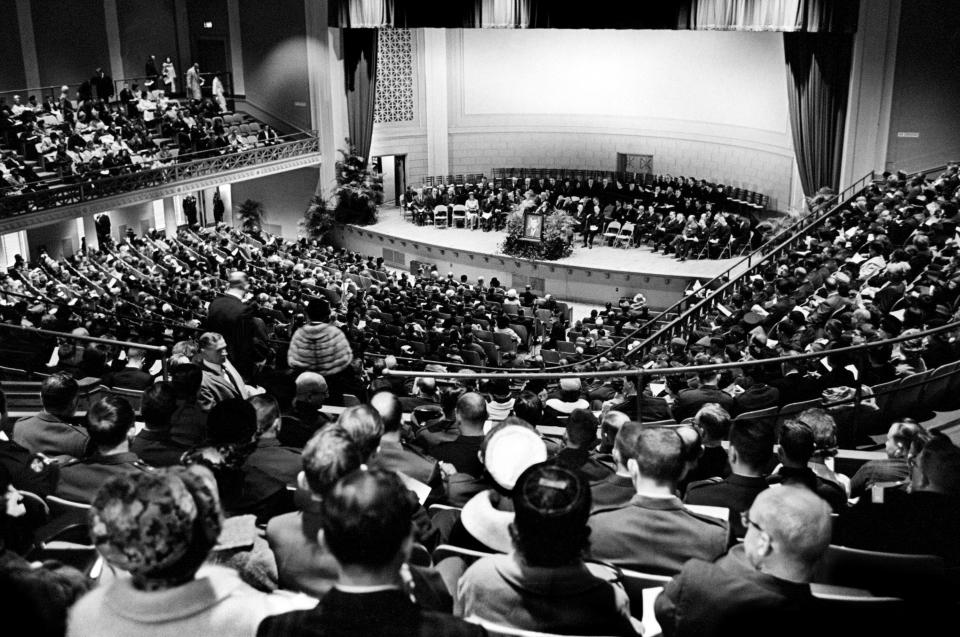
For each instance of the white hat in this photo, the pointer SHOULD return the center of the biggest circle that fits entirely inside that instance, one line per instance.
(509, 451)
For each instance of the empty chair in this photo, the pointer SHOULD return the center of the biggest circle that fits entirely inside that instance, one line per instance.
(612, 232)
(888, 574)
(460, 216)
(626, 235)
(440, 216)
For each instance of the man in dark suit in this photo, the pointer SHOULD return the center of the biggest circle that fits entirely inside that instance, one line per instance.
(462, 452)
(230, 316)
(689, 401)
(393, 454)
(713, 423)
(795, 386)
(654, 532)
(365, 518)
(751, 448)
(49, 432)
(925, 520)
(616, 489)
(760, 584)
(271, 457)
(153, 444)
(652, 408)
(132, 376)
(109, 422)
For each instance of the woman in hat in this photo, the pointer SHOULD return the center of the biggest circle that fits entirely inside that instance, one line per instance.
(159, 527)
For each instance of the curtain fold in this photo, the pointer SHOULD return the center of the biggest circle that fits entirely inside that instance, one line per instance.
(818, 77)
(505, 14)
(361, 14)
(360, 75)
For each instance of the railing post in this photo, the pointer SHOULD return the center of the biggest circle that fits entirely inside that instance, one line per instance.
(639, 388)
(165, 362)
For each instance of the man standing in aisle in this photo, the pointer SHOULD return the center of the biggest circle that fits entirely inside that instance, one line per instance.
(230, 316)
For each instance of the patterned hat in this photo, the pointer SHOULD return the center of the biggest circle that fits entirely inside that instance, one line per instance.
(159, 526)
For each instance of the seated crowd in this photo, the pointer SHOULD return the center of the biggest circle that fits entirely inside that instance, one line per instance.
(64, 140)
(243, 495)
(225, 508)
(682, 215)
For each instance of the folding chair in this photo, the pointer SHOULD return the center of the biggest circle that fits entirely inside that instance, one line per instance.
(440, 216)
(612, 232)
(460, 215)
(626, 234)
(505, 342)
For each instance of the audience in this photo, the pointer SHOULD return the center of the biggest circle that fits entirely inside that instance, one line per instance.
(894, 468)
(371, 596)
(797, 445)
(392, 453)
(543, 584)
(579, 445)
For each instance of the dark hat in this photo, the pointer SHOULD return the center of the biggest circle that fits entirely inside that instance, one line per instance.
(751, 318)
(157, 525)
(548, 493)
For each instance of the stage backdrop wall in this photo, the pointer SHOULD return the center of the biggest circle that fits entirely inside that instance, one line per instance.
(705, 104)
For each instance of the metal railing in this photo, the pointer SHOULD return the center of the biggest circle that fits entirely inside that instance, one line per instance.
(70, 194)
(773, 248)
(160, 350)
(850, 352)
(43, 92)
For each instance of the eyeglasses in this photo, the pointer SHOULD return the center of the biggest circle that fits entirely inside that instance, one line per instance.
(747, 522)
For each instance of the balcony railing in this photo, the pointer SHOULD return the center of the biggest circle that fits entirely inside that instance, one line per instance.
(290, 146)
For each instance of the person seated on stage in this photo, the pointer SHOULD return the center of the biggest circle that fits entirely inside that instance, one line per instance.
(473, 211)
(543, 584)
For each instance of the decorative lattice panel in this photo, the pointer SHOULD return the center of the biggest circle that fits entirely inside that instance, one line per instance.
(394, 99)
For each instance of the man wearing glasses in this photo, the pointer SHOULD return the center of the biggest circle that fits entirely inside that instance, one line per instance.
(761, 586)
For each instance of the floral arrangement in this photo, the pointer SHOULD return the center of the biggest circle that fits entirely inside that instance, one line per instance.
(556, 244)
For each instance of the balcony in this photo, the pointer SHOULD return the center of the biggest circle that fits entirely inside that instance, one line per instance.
(20, 211)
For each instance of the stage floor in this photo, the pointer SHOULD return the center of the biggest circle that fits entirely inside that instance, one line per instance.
(639, 260)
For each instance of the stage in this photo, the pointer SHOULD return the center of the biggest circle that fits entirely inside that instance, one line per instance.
(588, 275)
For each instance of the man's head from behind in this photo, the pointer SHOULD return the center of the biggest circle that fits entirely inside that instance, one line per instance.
(388, 406)
(109, 421)
(528, 407)
(551, 504)
(610, 426)
(364, 426)
(157, 406)
(659, 457)
(471, 413)
(186, 379)
(796, 443)
(367, 522)
(328, 456)
(788, 530)
(714, 421)
(58, 394)
(581, 430)
(311, 390)
(751, 445)
(232, 421)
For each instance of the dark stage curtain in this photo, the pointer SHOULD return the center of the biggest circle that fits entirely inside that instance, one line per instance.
(360, 70)
(818, 74)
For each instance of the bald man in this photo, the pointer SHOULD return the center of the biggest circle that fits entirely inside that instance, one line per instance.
(761, 587)
(393, 454)
(462, 452)
(304, 417)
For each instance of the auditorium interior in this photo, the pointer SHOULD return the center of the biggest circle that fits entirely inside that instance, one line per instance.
(479, 317)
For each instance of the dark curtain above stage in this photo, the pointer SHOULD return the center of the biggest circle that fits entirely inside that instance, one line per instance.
(818, 76)
(360, 73)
